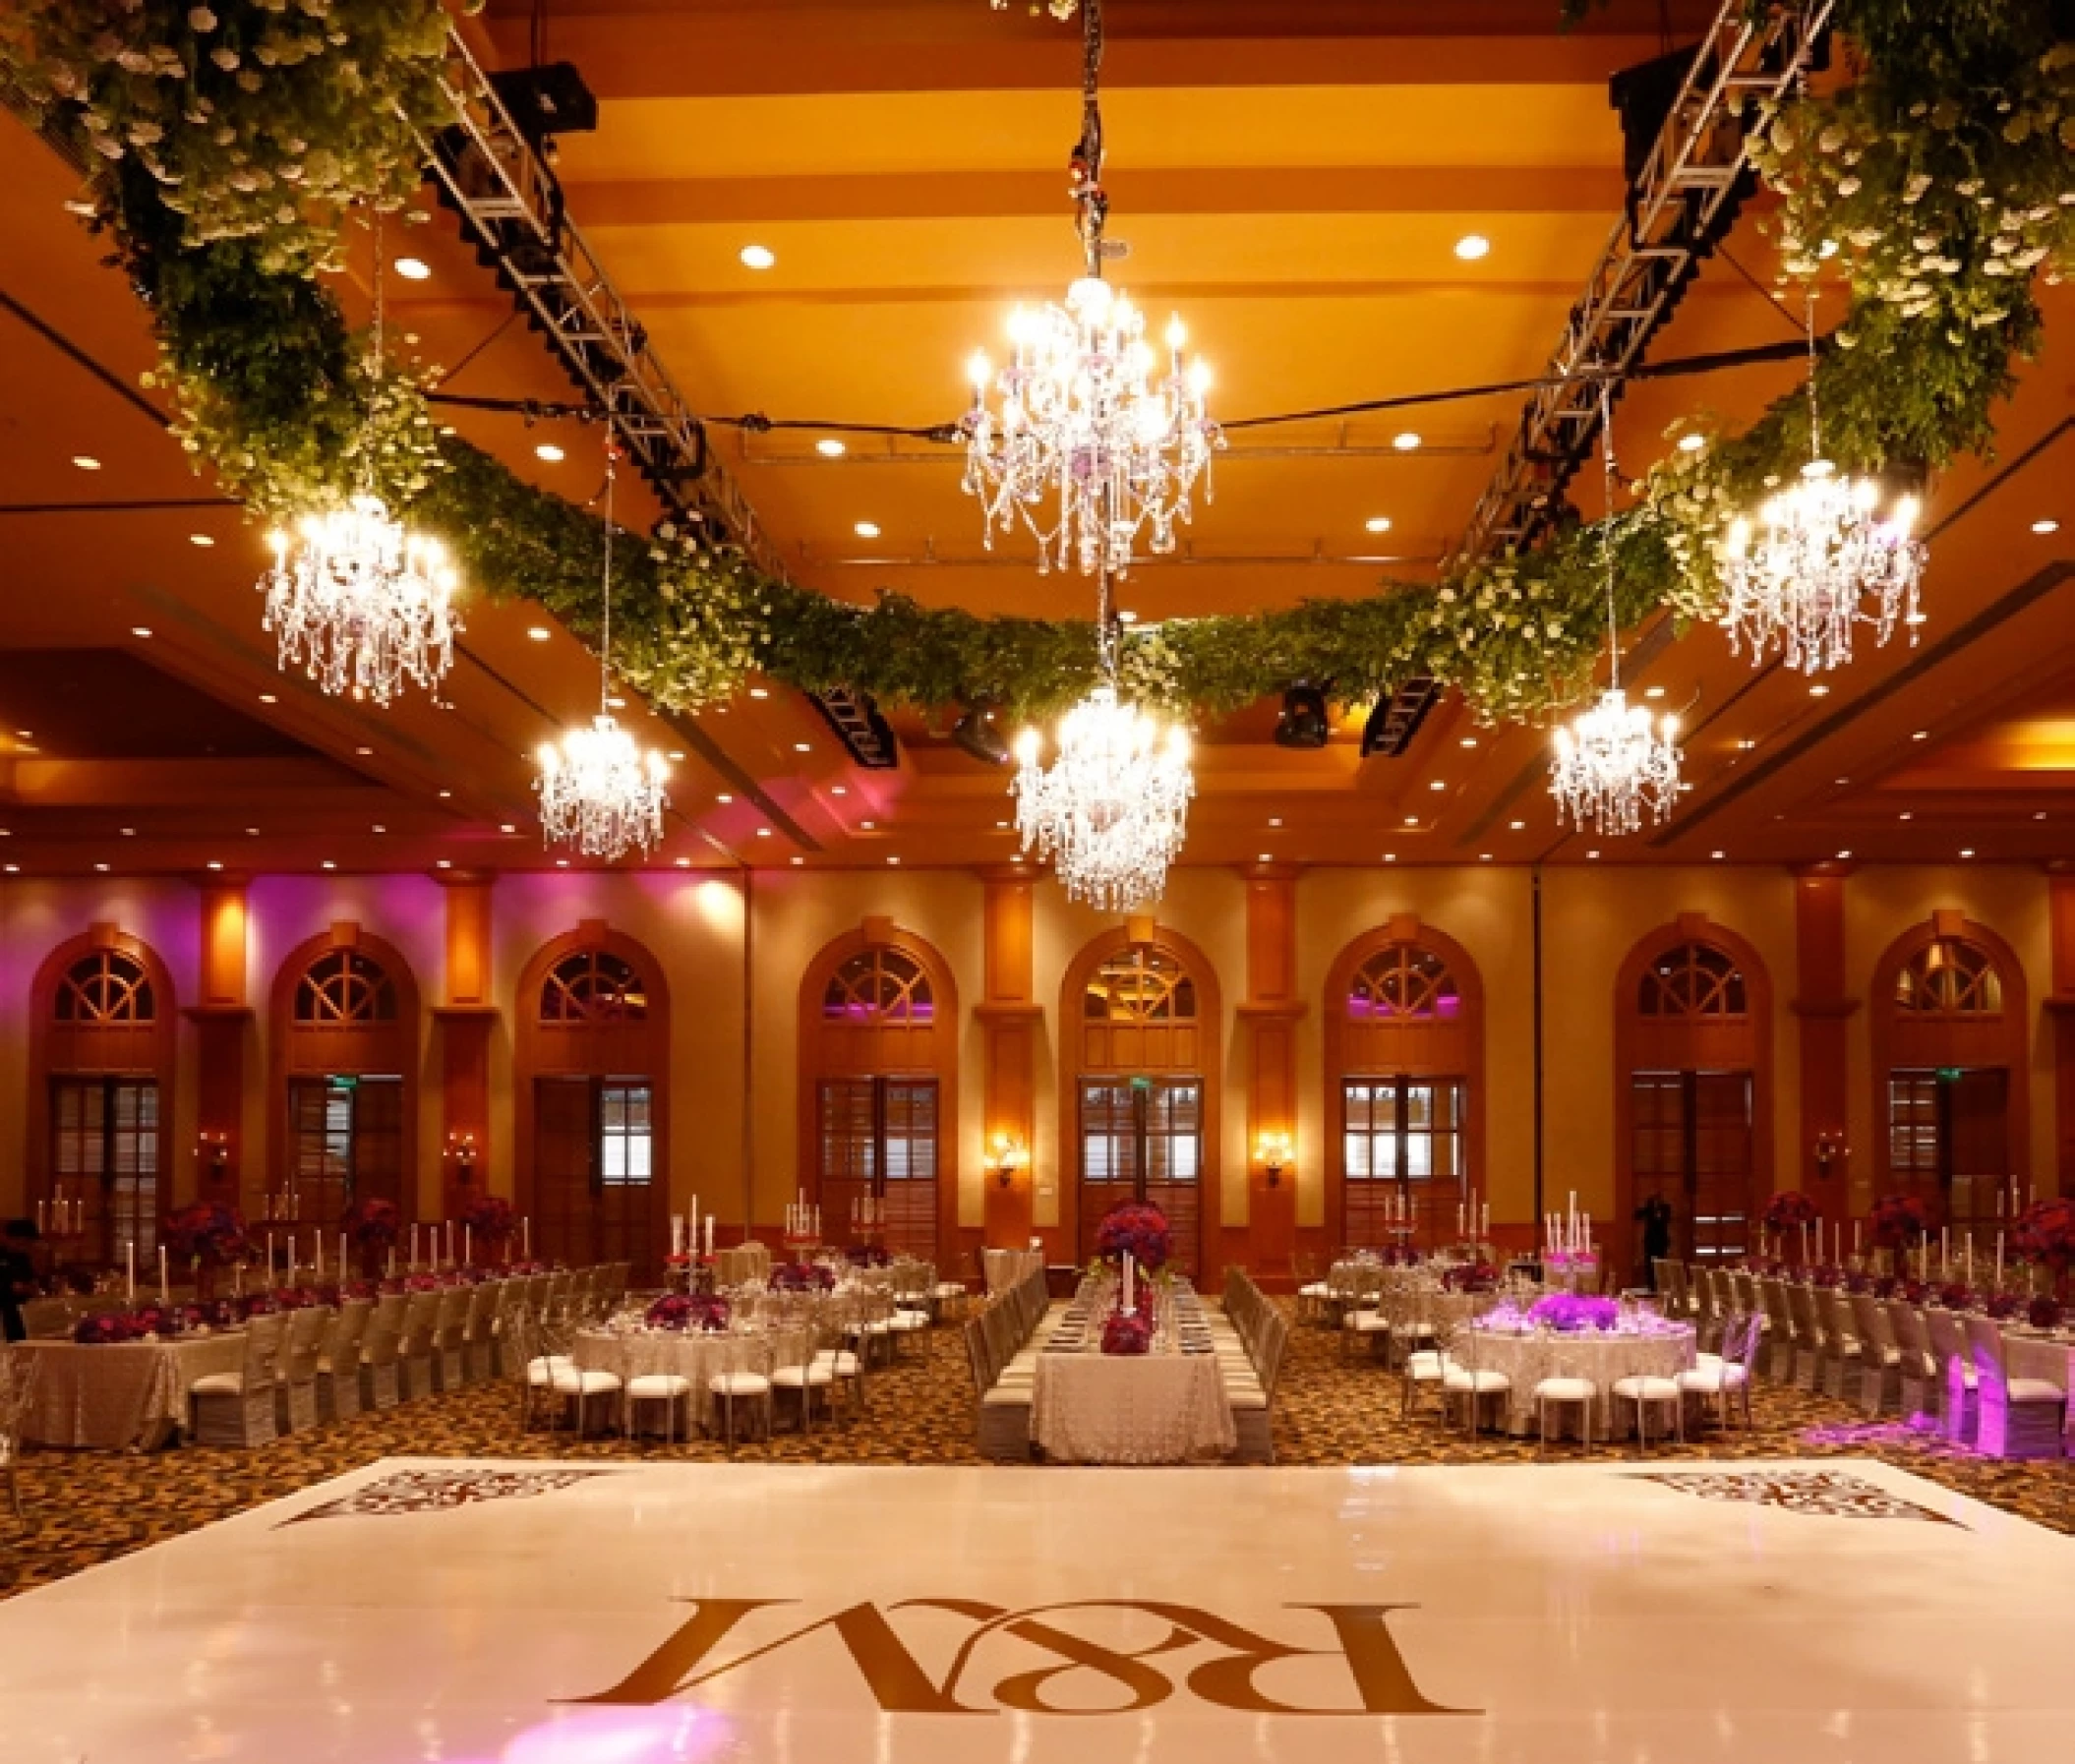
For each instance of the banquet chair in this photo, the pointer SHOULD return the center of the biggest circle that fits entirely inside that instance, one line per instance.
(1727, 1376)
(1311, 1287)
(1777, 1332)
(1880, 1358)
(949, 1299)
(1565, 1387)
(421, 1329)
(1647, 1390)
(745, 1380)
(1838, 1333)
(798, 1372)
(1806, 1334)
(450, 1337)
(670, 1389)
(554, 1378)
(510, 1302)
(1423, 1369)
(295, 1385)
(236, 1408)
(2019, 1417)
(1959, 1396)
(338, 1366)
(479, 1331)
(847, 1370)
(1463, 1379)
(554, 1297)
(1918, 1395)
(1706, 1309)
(18, 1382)
(380, 1372)
(872, 1332)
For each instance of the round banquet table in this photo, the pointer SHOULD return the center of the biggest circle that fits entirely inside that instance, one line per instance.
(118, 1397)
(1526, 1358)
(697, 1355)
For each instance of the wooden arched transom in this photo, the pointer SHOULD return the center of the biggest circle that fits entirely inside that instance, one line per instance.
(1949, 1023)
(1692, 1094)
(343, 1122)
(1140, 1099)
(103, 1043)
(1404, 1086)
(878, 1089)
(593, 1100)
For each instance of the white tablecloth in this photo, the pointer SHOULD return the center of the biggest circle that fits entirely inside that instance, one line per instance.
(1529, 1359)
(694, 1354)
(1095, 1408)
(1004, 1268)
(131, 1394)
(742, 1264)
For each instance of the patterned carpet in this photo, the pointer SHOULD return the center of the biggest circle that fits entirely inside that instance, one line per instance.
(88, 1507)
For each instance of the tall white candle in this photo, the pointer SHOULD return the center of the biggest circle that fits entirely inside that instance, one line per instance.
(709, 1234)
(317, 1240)
(165, 1287)
(468, 1253)
(130, 1268)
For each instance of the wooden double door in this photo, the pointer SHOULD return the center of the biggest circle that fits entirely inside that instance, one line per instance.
(1141, 1139)
(1693, 1147)
(595, 1173)
(106, 1148)
(1949, 1142)
(880, 1140)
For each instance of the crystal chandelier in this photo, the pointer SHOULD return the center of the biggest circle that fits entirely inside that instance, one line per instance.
(1822, 560)
(1092, 443)
(355, 600)
(1612, 761)
(599, 792)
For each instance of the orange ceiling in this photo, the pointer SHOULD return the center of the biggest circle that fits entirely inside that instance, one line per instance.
(1296, 198)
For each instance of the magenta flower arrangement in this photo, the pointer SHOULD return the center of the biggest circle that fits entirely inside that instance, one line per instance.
(799, 1276)
(1916, 1292)
(1400, 1255)
(107, 1330)
(2003, 1306)
(1471, 1277)
(2044, 1313)
(1788, 1210)
(1127, 1333)
(490, 1220)
(672, 1310)
(2046, 1234)
(1957, 1296)
(1827, 1274)
(374, 1223)
(1138, 1229)
(1570, 1313)
(1899, 1221)
(206, 1232)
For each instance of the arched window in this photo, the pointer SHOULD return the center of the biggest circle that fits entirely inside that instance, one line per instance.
(1141, 1098)
(102, 1042)
(594, 985)
(593, 1047)
(879, 1064)
(1951, 978)
(1696, 979)
(1694, 1056)
(1949, 1055)
(108, 986)
(1403, 1067)
(346, 986)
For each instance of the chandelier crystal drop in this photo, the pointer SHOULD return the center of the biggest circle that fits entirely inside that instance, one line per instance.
(1822, 560)
(353, 599)
(360, 605)
(599, 789)
(1089, 442)
(1111, 810)
(1613, 762)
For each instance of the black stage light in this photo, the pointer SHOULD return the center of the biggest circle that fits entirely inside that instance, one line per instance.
(976, 733)
(1303, 722)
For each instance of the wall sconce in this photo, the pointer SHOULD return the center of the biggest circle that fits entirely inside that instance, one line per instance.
(213, 1152)
(462, 1153)
(1005, 1157)
(1830, 1151)
(1275, 1153)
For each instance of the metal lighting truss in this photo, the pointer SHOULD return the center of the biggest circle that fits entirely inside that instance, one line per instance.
(1680, 203)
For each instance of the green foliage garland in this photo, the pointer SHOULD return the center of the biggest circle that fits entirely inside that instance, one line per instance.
(1938, 182)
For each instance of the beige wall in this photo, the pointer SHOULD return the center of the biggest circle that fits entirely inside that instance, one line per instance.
(720, 1057)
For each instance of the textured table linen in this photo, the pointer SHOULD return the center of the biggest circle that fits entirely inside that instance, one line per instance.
(131, 1395)
(1098, 1408)
(1527, 1359)
(742, 1264)
(697, 1355)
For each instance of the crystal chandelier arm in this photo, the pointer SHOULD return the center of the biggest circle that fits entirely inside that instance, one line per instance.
(1092, 204)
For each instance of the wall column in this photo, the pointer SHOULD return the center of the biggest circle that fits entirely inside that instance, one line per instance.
(466, 1021)
(1828, 1171)
(1011, 1022)
(2060, 1006)
(222, 1020)
(1268, 1024)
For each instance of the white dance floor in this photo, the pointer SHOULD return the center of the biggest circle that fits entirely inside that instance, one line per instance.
(525, 1613)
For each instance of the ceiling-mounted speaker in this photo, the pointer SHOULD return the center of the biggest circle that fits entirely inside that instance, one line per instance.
(1304, 722)
(977, 733)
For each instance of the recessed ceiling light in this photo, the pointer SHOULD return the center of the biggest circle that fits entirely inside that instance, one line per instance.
(758, 257)
(1746, 745)
(561, 863)
(412, 270)
(1841, 781)
(140, 631)
(1437, 785)
(1125, 616)
(2041, 815)
(1842, 856)
(1472, 245)
(14, 870)
(443, 863)
(269, 698)
(327, 865)
(550, 452)
(127, 832)
(1264, 858)
(1818, 691)
(839, 790)
(724, 798)
(759, 692)
(1592, 853)
(1411, 820)
(25, 735)
(893, 861)
(1693, 442)
(1469, 740)
(102, 868)
(866, 529)
(1274, 820)
(615, 702)
(201, 538)
(1484, 857)
(677, 756)
(252, 833)
(829, 448)
(1407, 440)
(1517, 826)
(1653, 691)
(1905, 815)
(1001, 826)
(2040, 527)
(797, 861)
(540, 634)
(1921, 735)
(1389, 856)
(87, 462)
(445, 795)
(1967, 851)
(763, 832)
(1718, 855)
(377, 828)
(1378, 523)
(507, 826)
(867, 826)
(802, 746)
(369, 753)
(684, 863)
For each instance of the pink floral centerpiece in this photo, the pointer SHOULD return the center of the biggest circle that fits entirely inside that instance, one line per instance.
(2045, 1236)
(373, 1226)
(1127, 1333)
(491, 1223)
(211, 1236)
(1137, 1229)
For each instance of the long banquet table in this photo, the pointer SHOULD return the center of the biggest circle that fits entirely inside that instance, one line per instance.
(1169, 1406)
(130, 1395)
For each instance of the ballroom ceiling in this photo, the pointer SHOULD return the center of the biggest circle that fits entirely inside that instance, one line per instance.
(1298, 200)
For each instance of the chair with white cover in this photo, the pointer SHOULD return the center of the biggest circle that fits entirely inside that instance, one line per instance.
(338, 1366)
(1312, 1290)
(1645, 1391)
(743, 1382)
(1880, 1357)
(421, 1341)
(1918, 1365)
(1466, 1381)
(1727, 1376)
(302, 1352)
(570, 1391)
(2019, 1417)
(382, 1385)
(1359, 1301)
(668, 1391)
(1959, 1396)
(1424, 1369)
(236, 1408)
(1566, 1386)
(18, 1380)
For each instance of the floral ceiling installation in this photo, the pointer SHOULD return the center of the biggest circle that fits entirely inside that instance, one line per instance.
(1941, 172)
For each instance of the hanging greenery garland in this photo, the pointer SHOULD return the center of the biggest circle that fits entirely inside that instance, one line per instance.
(228, 139)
